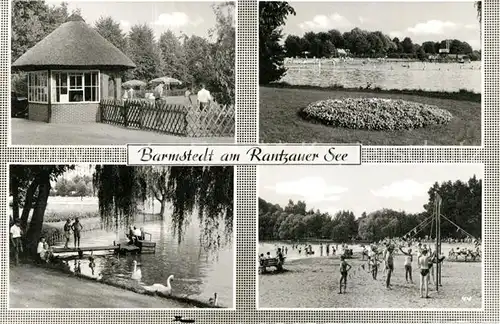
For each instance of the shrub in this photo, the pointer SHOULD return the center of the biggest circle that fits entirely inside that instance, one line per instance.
(375, 113)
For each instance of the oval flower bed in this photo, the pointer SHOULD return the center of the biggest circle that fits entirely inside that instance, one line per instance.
(375, 113)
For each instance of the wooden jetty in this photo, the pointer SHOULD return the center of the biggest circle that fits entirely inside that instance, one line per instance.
(122, 248)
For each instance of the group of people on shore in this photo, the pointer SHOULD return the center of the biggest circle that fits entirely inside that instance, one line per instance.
(377, 256)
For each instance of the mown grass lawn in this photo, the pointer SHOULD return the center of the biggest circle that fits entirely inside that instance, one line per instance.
(280, 123)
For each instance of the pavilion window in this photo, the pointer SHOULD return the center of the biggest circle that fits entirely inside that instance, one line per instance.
(38, 86)
(76, 86)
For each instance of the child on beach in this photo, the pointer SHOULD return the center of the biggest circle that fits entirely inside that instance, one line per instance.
(344, 269)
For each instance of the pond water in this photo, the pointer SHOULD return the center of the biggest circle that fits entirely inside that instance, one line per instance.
(198, 273)
(387, 75)
(293, 254)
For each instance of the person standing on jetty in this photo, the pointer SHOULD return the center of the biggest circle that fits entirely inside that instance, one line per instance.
(344, 270)
(67, 232)
(77, 229)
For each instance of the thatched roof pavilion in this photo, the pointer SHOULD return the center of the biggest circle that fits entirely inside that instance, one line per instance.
(69, 71)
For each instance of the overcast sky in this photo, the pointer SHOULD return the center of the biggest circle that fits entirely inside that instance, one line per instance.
(367, 187)
(421, 21)
(188, 17)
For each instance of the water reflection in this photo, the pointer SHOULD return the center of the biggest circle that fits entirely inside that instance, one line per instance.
(199, 273)
(388, 75)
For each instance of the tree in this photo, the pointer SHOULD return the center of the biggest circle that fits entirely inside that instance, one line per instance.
(407, 45)
(144, 52)
(111, 30)
(429, 47)
(272, 16)
(197, 50)
(293, 46)
(173, 57)
(155, 179)
(223, 54)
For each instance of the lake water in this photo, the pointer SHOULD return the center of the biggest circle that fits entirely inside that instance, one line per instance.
(293, 254)
(387, 75)
(198, 273)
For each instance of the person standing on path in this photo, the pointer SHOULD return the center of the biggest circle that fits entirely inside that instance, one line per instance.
(77, 228)
(158, 92)
(204, 98)
(67, 232)
(15, 239)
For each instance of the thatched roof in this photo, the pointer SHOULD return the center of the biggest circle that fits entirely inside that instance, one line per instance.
(74, 45)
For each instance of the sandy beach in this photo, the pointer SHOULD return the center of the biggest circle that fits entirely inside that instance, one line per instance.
(314, 283)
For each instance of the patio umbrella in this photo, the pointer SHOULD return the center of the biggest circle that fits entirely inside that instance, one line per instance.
(134, 83)
(167, 80)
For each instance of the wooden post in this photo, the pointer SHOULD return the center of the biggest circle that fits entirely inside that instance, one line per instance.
(49, 95)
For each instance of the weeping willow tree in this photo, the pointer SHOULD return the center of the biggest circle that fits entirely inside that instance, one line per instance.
(204, 191)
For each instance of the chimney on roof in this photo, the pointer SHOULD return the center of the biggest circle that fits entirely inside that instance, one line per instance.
(75, 17)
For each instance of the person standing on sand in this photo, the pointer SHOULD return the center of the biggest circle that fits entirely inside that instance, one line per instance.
(389, 265)
(327, 249)
(408, 262)
(77, 228)
(321, 248)
(67, 232)
(423, 263)
(344, 269)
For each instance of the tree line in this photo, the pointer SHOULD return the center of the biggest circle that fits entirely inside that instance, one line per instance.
(192, 59)
(120, 189)
(366, 44)
(461, 203)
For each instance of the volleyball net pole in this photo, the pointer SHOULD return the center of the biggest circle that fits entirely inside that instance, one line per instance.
(437, 214)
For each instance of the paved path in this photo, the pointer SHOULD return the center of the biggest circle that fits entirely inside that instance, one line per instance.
(34, 287)
(27, 132)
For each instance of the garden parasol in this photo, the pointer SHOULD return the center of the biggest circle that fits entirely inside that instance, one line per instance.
(133, 84)
(166, 80)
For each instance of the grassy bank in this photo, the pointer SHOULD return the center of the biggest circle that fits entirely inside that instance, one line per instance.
(314, 283)
(279, 121)
(35, 287)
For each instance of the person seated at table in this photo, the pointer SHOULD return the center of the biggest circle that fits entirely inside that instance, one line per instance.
(137, 234)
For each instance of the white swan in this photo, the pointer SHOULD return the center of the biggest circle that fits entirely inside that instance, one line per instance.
(161, 289)
(136, 273)
(213, 300)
